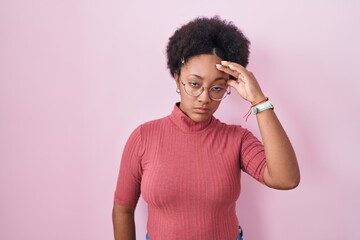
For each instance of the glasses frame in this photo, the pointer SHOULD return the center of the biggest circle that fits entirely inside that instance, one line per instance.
(228, 92)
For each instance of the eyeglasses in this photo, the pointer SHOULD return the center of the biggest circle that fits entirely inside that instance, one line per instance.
(216, 93)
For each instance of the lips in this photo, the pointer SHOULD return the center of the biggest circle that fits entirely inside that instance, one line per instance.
(201, 110)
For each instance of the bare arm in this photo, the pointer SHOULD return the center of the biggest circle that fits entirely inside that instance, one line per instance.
(282, 170)
(123, 222)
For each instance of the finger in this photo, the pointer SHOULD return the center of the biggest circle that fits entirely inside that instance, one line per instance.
(236, 83)
(235, 66)
(227, 70)
(227, 63)
(232, 83)
(242, 72)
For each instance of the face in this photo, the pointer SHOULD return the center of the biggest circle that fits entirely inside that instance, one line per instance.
(200, 71)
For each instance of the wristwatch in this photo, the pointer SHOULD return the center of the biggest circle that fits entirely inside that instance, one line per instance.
(262, 107)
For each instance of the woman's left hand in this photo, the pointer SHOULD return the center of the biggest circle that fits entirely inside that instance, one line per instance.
(246, 83)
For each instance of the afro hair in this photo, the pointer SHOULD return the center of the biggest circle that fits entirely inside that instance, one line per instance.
(207, 36)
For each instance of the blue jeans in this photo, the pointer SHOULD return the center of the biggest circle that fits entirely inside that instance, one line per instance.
(240, 235)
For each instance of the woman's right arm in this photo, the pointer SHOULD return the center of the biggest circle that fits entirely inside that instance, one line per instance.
(123, 222)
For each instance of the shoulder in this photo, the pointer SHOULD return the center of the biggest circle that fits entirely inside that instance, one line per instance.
(153, 124)
(149, 128)
(144, 133)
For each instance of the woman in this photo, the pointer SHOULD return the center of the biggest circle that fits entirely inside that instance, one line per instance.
(187, 165)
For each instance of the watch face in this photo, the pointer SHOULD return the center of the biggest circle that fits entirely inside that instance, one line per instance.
(254, 110)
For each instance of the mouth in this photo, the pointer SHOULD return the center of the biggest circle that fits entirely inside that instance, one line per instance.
(202, 110)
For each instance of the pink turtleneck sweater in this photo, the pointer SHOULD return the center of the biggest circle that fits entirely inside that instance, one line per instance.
(189, 175)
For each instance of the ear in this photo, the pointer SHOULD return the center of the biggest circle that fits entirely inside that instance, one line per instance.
(177, 79)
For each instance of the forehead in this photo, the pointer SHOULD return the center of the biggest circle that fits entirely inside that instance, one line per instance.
(203, 66)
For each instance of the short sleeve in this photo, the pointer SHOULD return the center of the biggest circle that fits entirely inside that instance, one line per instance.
(252, 154)
(128, 186)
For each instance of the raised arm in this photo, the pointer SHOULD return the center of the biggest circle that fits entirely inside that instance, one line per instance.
(282, 170)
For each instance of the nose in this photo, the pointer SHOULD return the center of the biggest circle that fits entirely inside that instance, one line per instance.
(204, 97)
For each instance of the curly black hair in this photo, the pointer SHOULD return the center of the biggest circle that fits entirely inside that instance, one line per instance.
(207, 36)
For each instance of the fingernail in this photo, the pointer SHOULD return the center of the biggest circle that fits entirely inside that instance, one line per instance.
(218, 65)
(223, 62)
(231, 66)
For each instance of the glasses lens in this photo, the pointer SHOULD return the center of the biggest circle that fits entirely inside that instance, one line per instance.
(193, 89)
(218, 93)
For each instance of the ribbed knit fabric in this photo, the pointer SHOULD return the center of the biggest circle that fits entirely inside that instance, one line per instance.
(189, 175)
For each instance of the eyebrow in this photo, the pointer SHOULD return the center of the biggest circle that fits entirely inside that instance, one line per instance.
(201, 78)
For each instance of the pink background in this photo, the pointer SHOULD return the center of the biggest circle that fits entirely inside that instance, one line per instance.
(76, 77)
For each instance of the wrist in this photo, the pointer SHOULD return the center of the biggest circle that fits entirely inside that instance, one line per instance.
(259, 100)
(262, 106)
(259, 106)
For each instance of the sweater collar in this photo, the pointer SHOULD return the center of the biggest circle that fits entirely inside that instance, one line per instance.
(186, 124)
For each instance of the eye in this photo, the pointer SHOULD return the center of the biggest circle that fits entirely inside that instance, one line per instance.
(194, 84)
(217, 88)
